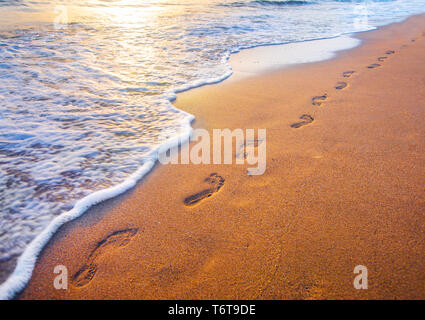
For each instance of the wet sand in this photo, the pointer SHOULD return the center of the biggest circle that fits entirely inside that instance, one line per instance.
(344, 186)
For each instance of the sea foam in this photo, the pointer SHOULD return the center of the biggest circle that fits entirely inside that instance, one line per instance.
(26, 262)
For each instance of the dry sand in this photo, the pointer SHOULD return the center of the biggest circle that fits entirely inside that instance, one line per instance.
(345, 190)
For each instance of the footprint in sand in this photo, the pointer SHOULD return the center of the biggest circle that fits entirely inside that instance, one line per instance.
(306, 119)
(114, 240)
(341, 85)
(373, 66)
(382, 59)
(215, 181)
(348, 74)
(84, 275)
(318, 100)
(390, 52)
(242, 150)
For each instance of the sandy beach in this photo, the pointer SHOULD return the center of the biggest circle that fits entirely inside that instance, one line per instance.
(344, 186)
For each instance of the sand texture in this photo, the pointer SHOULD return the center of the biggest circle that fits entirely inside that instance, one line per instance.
(344, 186)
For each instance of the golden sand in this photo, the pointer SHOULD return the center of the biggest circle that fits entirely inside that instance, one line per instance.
(342, 190)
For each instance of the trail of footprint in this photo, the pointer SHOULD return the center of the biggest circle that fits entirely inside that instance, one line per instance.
(216, 183)
(373, 66)
(306, 119)
(341, 85)
(347, 74)
(115, 240)
(318, 100)
(382, 59)
(389, 52)
(242, 153)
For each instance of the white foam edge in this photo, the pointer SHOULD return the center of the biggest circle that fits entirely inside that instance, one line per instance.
(22, 273)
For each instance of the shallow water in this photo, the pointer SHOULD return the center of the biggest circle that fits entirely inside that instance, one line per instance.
(84, 103)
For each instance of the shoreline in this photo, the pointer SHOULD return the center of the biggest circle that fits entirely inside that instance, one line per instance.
(113, 204)
(330, 48)
(18, 276)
